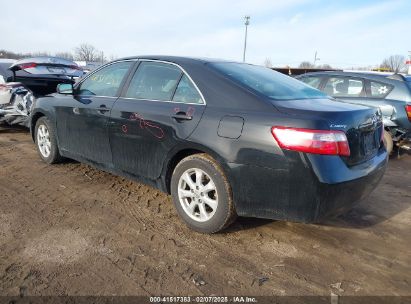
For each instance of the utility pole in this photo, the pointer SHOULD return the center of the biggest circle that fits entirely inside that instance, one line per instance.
(246, 23)
(315, 58)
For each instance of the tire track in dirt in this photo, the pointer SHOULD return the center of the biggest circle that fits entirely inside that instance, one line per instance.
(132, 242)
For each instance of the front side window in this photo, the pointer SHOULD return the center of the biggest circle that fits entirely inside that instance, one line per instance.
(267, 82)
(312, 81)
(344, 87)
(186, 92)
(106, 81)
(154, 81)
(380, 90)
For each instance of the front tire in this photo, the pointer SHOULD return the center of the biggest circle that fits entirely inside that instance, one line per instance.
(202, 194)
(46, 142)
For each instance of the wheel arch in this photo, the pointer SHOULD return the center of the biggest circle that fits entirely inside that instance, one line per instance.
(34, 118)
(180, 153)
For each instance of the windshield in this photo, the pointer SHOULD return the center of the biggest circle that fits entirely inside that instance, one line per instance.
(267, 82)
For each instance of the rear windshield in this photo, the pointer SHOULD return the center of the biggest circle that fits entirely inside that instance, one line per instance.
(267, 82)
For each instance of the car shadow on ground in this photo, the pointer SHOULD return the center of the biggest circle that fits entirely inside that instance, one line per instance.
(362, 217)
(247, 223)
(13, 129)
(391, 197)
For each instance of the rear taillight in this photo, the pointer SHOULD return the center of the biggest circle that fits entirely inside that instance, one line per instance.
(408, 110)
(312, 141)
(29, 65)
(74, 67)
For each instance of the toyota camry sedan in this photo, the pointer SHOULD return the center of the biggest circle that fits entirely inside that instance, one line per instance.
(225, 139)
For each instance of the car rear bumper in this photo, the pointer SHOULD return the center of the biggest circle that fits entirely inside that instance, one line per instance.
(336, 199)
(308, 189)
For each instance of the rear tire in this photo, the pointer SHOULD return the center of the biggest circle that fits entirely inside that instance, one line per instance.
(202, 194)
(388, 142)
(46, 141)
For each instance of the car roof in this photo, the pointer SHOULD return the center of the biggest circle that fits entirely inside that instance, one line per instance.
(178, 59)
(364, 74)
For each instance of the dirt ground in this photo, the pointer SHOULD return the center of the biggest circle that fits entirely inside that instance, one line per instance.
(69, 229)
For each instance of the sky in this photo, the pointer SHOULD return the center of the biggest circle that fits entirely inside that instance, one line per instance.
(345, 33)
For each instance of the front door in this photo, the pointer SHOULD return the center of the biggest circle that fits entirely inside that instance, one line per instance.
(159, 108)
(82, 118)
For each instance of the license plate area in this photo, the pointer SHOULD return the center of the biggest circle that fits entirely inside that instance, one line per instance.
(369, 142)
(57, 70)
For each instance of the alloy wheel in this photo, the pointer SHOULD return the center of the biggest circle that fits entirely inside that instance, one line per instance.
(43, 140)
(197, 194)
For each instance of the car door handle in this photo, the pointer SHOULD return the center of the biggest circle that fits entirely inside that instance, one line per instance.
(182, 116)
(103, 108)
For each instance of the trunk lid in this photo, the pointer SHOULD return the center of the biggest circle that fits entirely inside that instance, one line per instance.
(47, 66)
(362, 124)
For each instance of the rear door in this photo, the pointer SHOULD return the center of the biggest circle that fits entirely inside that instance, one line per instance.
(311, 80)
(159, 108)
(82, 118)
(345, 88)
(377, 92)
(361, 91)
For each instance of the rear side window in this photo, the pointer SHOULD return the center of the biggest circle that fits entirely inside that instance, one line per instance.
(106, 81)
(312, 81)
(380, 90)
(154, 81)
(344, 87)
(267, 82)
(186, 92)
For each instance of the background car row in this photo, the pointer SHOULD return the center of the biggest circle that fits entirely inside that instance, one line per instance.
(23, 80)
(390, 92)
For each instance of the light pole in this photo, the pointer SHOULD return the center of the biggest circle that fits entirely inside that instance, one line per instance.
(246, 22)
(315, 58)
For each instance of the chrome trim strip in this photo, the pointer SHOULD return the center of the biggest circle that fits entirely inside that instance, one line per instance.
(147, 60)
(183, 103)
(96, 96)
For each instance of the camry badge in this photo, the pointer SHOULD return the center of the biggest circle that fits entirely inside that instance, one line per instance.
(338, 126)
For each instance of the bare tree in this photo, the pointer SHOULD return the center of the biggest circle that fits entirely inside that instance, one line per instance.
(325, 66)
(65, 55)
(113, 57)
(38, 54)
(306, 65)
(394, 63)
(268, 63)
(10, 55)
(87, 52)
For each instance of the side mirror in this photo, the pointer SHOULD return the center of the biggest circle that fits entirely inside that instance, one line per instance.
(65, 88)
